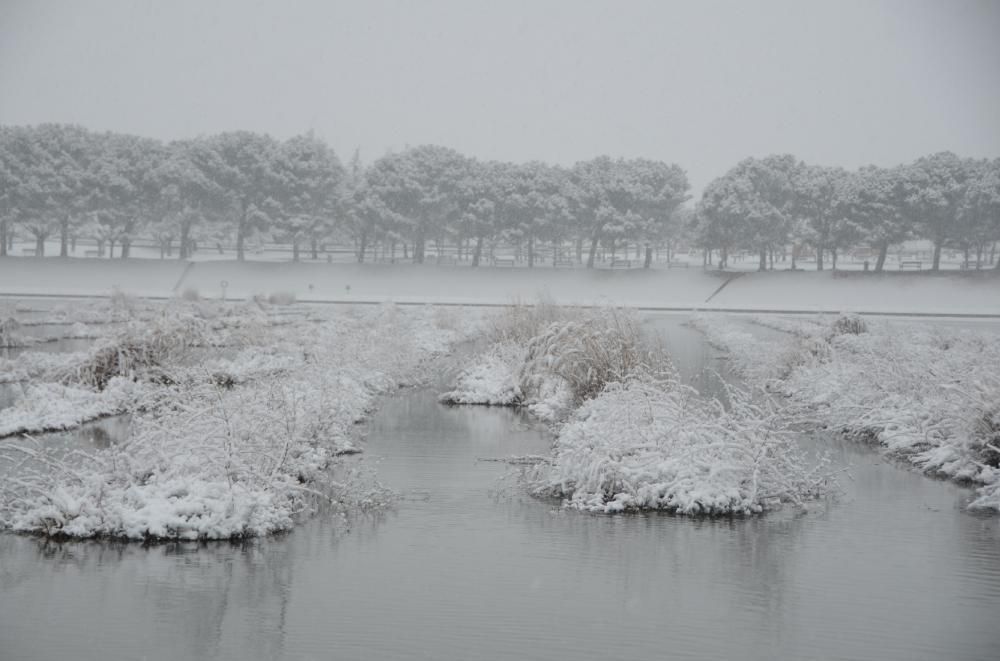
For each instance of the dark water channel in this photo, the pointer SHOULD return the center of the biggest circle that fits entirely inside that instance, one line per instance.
(466, 568)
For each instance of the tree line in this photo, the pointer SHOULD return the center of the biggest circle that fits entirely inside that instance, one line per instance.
(765, 205)
(65, 182)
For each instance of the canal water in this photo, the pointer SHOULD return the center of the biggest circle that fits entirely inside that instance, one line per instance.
(467, 567)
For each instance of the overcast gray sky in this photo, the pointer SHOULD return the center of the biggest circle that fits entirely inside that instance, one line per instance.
(702, 84)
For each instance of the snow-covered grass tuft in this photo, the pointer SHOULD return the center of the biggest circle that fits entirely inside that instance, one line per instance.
(281, 298)
(657, 444)
(929, 396)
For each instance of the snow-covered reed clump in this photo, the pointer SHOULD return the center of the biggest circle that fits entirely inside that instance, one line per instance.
(496, 375)
(657, 444)
(552, 359)
(928, 395)
(226, 447)
(630, 436)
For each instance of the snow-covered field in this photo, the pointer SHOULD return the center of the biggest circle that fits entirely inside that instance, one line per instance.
(928, 395)
(240, 416)
(406, 283)
(629, 435)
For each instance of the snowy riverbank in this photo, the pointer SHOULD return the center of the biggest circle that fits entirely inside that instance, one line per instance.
(240, 417)
(927, 395)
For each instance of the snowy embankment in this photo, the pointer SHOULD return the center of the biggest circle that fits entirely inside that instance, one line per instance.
(220, 447)
(629, 435)
(930, 396)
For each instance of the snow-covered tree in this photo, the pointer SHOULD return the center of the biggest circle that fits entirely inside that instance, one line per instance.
(420, 187)
(244, 168)
(979, 213)
(935, 187)
(876, 198)
(819, 196)
(309, 191)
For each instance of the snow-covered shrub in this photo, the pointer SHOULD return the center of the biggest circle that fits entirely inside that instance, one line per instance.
(281, 298)
(190, 294)
(10, 332)
(446, 317)
(123, 306)
(138, 347)
(849, 324)
(929, 396)
(491, 380)
(657, 444)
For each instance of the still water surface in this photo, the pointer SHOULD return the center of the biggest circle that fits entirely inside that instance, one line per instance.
(466, 568)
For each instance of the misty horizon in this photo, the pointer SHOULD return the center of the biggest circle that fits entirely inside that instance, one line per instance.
(700, 85)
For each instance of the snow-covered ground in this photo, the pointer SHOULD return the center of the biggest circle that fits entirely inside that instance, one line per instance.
(406, 283)
(927, 394)
(235, 445)
(890, 292)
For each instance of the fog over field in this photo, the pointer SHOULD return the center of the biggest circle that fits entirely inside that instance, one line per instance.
(528, 330)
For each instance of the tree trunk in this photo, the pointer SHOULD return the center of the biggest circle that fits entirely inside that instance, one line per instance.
(3, 238)
(936, 263)
(883, 250)
(111, 248)
(531, 252)
(362, 247)
(723, 257)
(649, 257)
(819, 258)
(126, 245)
(833, 253)
(593, 251)
(771, 255)
(314, 246)
(64, 236)
(762, 266)
(240, 239)
(579, 250)
(241, 228)
(169, 244)
(185, 248)
(419, 246)
(39, 246)
(295, 250)
(993, 252)
(479, 251)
